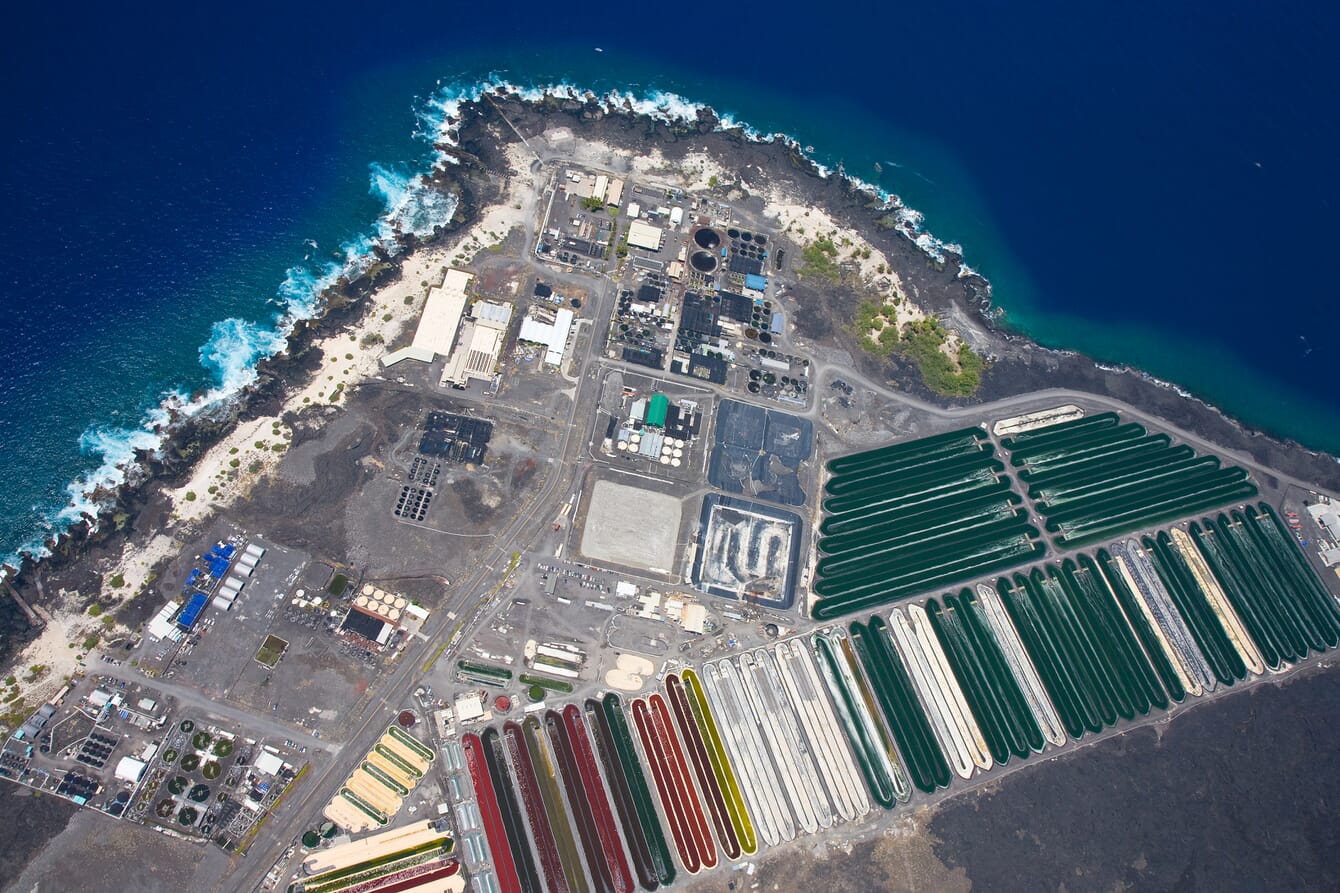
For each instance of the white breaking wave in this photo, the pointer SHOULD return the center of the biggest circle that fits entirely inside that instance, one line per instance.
(413, 207)
(410, 206)
(439, 118)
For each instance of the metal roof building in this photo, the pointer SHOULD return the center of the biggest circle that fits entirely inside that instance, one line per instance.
(644, 235)
(656, 410)
(442, 314)
(480, 345)
(553, 336)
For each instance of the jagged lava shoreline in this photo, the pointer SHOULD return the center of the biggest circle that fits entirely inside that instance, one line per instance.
(472, 147)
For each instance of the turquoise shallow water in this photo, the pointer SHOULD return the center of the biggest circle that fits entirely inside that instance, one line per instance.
(179, 183)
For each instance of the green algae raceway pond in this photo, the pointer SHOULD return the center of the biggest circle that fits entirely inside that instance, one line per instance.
(968, 634)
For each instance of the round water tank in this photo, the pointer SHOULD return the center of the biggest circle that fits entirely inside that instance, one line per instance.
(622, 445)
(679, 442)
(368, 588)
(361, 601)
(502, 703)
(677, 453)
(406, 719)
(665, 460)
(400, 603)
(675, 463)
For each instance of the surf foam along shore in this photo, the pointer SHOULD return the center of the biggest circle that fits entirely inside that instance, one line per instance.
(231, 356)
(413, 207)
(672, 108)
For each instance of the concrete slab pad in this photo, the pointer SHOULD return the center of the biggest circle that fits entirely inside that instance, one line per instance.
(631, 526)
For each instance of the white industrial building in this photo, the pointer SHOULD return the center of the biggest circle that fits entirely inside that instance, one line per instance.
(644, 235)
(480, 345)
(1324, 513)
(161, 626)
(441, 318)
(554, 336)
(130, 770)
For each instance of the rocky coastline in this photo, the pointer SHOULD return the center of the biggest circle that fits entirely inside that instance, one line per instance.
(962, 298)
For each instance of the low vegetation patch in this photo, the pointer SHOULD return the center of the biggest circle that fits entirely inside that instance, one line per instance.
(922, 342)
(820, 260)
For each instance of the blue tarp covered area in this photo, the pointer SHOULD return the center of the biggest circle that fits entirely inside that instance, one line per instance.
(755, 282)
(218, 567)
(191, 613)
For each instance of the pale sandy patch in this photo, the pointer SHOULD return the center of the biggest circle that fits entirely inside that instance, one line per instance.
(253, 449)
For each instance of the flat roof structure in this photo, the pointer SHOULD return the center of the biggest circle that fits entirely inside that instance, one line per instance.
(161, 626)
(1326, 516)
(480, 345)
(268, 764)
(191, 612)
(694, 619)
(644, 235)
(422, 354)
(553, 336)
(442, 314)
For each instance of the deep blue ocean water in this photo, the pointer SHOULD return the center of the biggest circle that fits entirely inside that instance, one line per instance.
(1151, 185)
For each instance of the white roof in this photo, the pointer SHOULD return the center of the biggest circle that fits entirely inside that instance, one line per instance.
(129, 769)
(644, 235)
(693, 618)
(476, 356)
(501, 313)
(268, 764)
(554, 337)
(469, 707)
(442, 313)
(422, 354)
